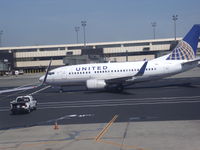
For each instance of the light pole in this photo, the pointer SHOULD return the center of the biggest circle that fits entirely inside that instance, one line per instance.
(77, 29)
(1, 33)
(154, 29)
(83, 23)
(174, 18)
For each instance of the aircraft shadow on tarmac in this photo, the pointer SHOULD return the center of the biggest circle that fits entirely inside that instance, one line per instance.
(171, 82)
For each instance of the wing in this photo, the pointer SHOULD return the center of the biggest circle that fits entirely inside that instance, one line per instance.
(128, 78)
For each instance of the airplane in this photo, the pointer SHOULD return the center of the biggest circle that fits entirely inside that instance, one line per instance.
(117, 75)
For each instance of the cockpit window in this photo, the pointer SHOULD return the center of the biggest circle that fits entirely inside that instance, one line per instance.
(51, 73)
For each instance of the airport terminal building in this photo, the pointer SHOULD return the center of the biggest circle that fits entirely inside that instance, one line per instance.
(36, 58)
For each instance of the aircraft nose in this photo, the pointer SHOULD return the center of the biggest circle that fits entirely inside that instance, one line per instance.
(41, 79)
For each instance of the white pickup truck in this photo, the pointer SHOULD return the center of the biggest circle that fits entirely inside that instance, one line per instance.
(23, 104)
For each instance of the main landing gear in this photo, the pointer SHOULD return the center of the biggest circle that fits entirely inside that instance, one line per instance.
(115, 88)
(119, 88)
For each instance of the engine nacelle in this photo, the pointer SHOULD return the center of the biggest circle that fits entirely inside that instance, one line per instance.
(95, 84)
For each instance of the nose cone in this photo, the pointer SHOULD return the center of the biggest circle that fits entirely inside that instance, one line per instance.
(41, 79)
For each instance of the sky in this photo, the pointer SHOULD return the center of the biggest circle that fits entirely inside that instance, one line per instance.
(49, 22)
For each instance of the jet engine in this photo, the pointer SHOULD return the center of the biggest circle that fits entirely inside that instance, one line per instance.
(95, 84)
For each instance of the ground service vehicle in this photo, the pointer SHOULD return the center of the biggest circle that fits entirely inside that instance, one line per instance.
(23, 104)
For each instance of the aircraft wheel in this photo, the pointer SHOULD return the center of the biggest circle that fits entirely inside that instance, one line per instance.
(29, 110)
(120, 88)
(61, 90)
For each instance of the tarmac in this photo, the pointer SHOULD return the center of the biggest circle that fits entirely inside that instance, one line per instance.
(165, 135)
(165, 117)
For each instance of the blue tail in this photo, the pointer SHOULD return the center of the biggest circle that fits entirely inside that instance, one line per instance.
(187, 48)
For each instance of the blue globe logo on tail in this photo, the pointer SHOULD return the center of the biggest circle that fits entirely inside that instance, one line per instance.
(186, 48)
(183, 51)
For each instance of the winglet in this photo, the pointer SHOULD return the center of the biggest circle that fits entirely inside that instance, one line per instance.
(48, 68)
(142, 69)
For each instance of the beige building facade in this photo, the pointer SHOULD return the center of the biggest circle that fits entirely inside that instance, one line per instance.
(37, 57)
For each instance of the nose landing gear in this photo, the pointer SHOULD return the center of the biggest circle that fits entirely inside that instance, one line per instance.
(61, 90)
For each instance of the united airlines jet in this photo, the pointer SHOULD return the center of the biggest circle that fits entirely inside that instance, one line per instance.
(119, 75)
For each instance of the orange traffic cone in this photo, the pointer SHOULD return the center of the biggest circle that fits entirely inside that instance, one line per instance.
(56, 126)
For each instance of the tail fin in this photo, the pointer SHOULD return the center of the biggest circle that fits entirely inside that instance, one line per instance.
(186, 48)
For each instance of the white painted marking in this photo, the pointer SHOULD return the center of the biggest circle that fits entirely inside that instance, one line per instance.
(46, 87)
(120, 100)
(68, 117)
(115, 102)
(72, 115)
(109, 105)
(16, 89)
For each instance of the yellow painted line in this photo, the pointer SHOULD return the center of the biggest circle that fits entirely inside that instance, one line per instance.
(105, 129)
(44, 143)
(84, 138)
(41, 143)
(7, 147)
(49, 142)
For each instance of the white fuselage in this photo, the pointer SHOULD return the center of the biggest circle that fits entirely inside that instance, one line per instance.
(79, 74)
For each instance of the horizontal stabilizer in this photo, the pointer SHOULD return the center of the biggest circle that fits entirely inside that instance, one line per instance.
(194, 62)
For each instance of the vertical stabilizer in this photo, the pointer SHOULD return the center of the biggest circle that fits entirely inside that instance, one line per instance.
(186, 48)
(192, 37)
